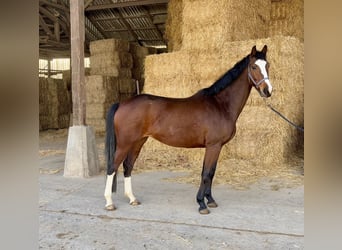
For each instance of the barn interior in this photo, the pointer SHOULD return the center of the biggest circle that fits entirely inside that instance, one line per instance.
(174, 48)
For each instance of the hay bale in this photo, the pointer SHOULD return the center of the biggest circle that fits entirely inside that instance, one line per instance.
(139, 54)
(97, 110)
(108, 46)
(127, 86)
(54, 104)
(173, 26)
(66, 76)
(210, 24)
(111, 71)
(99, 125)
(287, 18)
(165, 73)
(115, 59)
(101, 89)
(182, 73)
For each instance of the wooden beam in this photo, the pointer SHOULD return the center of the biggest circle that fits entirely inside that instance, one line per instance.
(160, 35)
(129, 28)
(77, 62)
(125, 4)
(43, 24)
(48, 14)
(87, 3)
(57, 31)
(55, 5)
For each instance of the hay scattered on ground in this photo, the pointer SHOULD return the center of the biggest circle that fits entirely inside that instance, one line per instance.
(49, 152)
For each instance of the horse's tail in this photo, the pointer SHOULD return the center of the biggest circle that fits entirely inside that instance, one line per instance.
(110, 146)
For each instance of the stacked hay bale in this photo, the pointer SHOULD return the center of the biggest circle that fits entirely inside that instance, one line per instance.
(209, 24)
(138, 54)
(54, 104)
(173, 26)
(66, 76)
(287, 18)
(110, 79)
(215, 35)
(110, 57)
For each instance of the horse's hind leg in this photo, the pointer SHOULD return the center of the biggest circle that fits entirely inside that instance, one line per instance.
(119, 156)
(208, 172)
(128, 166)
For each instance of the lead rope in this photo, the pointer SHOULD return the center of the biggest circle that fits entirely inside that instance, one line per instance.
(282, 116)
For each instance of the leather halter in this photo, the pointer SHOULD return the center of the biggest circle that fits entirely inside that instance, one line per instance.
(254, 82)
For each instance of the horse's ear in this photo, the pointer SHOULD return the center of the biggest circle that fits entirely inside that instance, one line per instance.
(253, 52)
(264, 49)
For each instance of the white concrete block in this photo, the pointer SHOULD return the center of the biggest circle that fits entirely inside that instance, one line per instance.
(81, 159)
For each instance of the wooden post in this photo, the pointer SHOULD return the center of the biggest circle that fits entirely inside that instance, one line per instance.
(49, 68)
(77, 61)
(81, 158)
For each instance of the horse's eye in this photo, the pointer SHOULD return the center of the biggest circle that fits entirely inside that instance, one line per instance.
(254, 67)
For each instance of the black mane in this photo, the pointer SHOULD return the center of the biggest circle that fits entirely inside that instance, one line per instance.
(231, 75)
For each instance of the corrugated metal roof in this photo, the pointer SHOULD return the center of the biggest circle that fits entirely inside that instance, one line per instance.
(141, 22)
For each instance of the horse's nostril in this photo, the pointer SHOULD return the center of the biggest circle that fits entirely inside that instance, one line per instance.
(266, 92)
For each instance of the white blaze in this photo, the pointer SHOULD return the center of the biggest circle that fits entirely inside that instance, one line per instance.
(262, 66)
(108, 189)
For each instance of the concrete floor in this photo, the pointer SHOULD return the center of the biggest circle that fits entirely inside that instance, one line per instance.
(72, 214)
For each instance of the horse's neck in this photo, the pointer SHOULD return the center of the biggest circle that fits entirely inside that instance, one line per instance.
(234, 97)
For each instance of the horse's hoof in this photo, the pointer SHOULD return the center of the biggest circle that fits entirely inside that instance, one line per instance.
(212, 204)
(110, 207)
(135, 203)
(204, 211)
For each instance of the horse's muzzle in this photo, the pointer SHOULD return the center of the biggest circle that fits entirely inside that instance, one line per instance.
(265, 92)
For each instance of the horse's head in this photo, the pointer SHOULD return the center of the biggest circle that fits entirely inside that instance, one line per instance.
(258, 72)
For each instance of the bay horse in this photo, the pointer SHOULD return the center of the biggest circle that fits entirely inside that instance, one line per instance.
(206, 119)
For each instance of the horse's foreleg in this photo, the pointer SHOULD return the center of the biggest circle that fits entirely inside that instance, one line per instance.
(128, 167)
(208, 172)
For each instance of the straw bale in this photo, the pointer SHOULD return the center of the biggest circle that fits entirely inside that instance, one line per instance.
(112, 71)
(125, 96)
(115, 59)
(139, 54)
(287, 18)
(166, 73)
(99, 125)
(54, 103)
(210, 24)
(63, 121)
(101, 89)
(173, 26)
(108, 46)
(66, 76)
(43, 122)
(97, 110)
(139, 51)
(127, 86)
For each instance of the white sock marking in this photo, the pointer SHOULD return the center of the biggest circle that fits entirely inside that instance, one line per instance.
(108, 189)
(128, 189)
(262, 66)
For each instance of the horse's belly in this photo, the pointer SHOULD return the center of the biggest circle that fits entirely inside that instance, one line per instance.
(178, 136)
